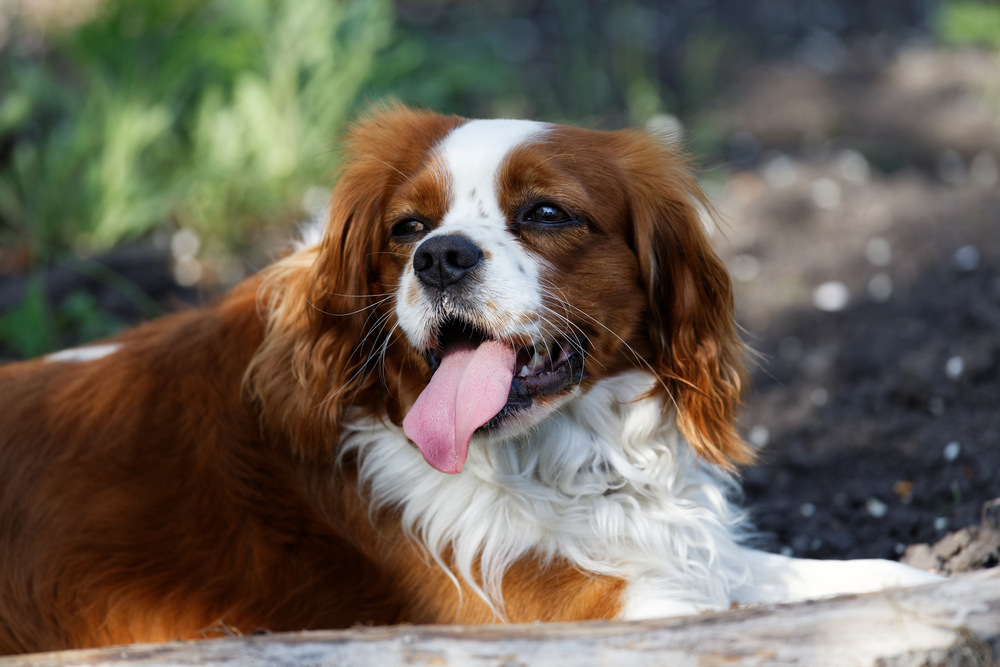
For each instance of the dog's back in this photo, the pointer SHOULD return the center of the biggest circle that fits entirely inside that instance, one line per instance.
(137, 501)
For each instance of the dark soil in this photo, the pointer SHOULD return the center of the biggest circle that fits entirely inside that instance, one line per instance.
(882, 419)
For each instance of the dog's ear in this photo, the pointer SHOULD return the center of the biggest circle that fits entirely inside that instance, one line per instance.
(697, 351)
(327, 309)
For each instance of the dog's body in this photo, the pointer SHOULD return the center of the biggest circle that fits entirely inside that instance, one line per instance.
(253, 463)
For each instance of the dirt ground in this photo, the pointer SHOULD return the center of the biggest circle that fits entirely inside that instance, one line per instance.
(861, 221)
(862, 225)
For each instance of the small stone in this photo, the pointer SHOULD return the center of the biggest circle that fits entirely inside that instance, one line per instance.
(807, 510)
(185, 244)
(825, 193)
(876, 507)
(953, 369)
(880, 287)
(966, 258)
(900, 548)
(187, 271)
(831, 296)
(815, 544)
(819, 397)
(759, 435)
(781, 172)
(952, 450)
(940, 523)
(878, 251)
(786, 551)
(853, 167)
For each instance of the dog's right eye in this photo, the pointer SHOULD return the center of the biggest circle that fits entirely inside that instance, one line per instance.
(407, 228)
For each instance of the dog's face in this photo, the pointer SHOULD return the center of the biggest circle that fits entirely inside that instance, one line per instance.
(517, 263)
(488, 271)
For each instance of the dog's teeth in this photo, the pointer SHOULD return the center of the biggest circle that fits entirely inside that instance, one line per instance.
(524, 372)
(537, 361)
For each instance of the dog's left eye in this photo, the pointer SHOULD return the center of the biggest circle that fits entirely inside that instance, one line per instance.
(407, 228)
(547, 214)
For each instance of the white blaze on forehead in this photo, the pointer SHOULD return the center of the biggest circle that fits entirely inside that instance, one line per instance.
(473, 154)
(89, 353)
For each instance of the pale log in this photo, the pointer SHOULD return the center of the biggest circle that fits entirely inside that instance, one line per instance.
(953, 623)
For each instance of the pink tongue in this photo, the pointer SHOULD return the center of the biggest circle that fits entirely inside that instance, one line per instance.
(468, 389)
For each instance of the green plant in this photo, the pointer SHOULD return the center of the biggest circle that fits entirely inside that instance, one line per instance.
(27, 329)
(970, 22)
(205, 113)
(33, 327)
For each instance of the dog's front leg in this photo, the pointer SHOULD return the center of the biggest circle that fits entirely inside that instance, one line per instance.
(776, 578)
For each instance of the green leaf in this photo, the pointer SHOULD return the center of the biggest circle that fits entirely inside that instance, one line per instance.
(27, 329)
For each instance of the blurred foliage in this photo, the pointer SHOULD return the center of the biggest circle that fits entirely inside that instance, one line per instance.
(613, 63)
(575, 61)
(207, 113)
(27, 329)
(221, 115)
(969, 22)
(33, 327)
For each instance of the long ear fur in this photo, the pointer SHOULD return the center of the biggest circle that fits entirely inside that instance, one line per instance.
(325, 307)
(698, 353)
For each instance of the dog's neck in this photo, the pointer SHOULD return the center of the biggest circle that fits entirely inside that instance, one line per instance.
(604, 482)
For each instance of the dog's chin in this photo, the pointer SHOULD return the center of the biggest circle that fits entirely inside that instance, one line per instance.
(545, 377)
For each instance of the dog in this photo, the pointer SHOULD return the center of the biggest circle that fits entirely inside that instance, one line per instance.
(498, 384)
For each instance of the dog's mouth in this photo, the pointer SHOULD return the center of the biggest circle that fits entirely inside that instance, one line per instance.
(479, 383)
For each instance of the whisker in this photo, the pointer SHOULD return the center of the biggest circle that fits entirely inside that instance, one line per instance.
(354, 312)
(375, 329)
(369, 155)
(358, 296)
(635, 354)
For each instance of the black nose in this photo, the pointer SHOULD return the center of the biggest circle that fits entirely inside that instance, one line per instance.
(444, 260)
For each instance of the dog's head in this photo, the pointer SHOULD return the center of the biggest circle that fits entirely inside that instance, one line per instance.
(475, 275)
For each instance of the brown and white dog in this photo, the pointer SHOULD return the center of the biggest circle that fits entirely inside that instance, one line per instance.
(500, 385)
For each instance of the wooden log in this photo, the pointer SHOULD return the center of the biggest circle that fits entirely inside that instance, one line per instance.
(956, 622)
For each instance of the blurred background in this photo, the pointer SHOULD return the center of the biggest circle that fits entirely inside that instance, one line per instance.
(154, 153)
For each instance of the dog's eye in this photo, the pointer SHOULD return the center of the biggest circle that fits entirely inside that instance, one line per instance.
(407, 228)
(547, 214)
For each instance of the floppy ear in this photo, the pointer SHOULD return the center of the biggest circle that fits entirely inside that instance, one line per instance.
(698, 353)
(326, 308)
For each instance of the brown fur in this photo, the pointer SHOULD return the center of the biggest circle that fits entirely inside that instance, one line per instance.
(188, 482)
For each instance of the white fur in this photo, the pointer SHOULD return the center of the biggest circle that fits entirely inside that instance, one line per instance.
(784, 579)
(607, 483)
(79, 354)
(310, 233)
(604, 482)
(471, 157)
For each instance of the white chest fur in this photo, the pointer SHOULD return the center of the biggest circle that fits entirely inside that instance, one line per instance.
(605, 482)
